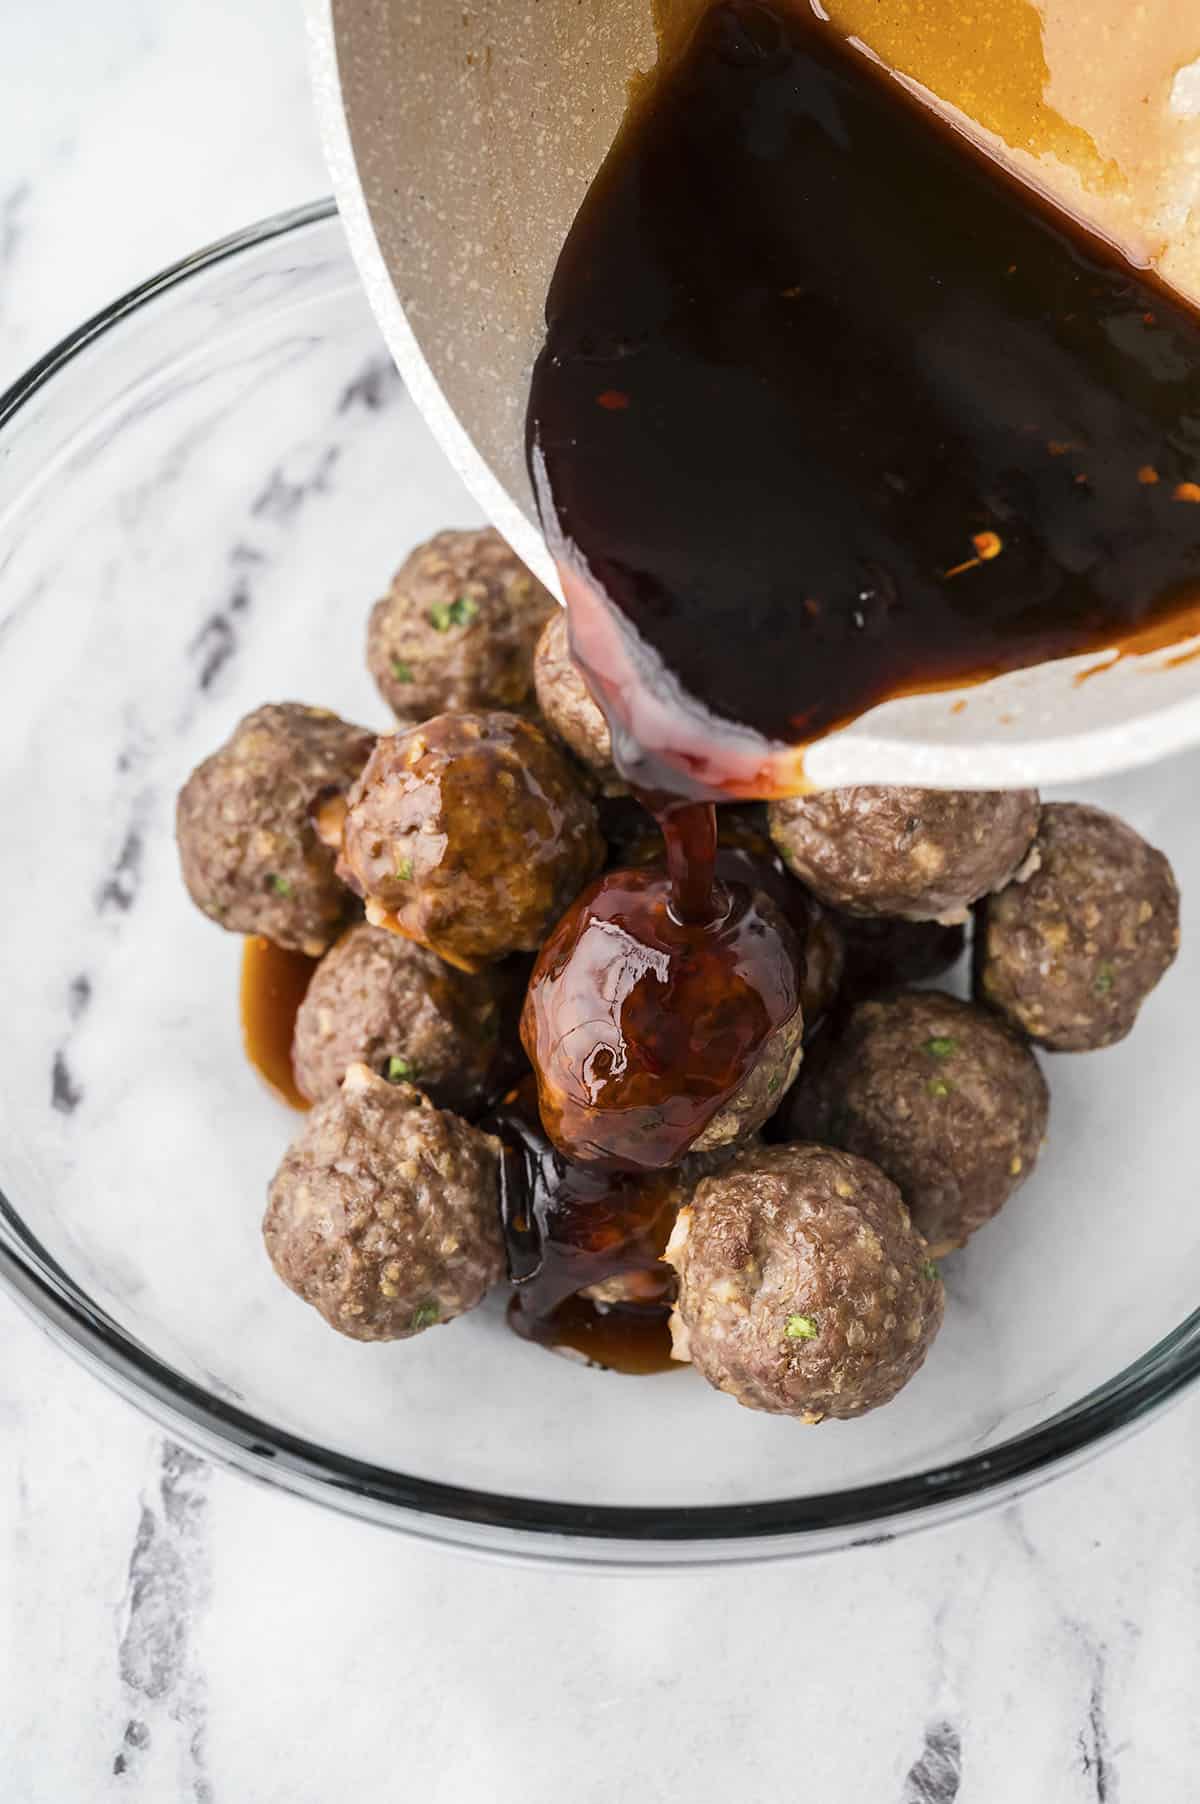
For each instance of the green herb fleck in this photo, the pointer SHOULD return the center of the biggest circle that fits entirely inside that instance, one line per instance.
(401, 671)
(398, 1069)
(280, 885)
(941, 1047)
(443, 615)
(930, 1270)
(1105, 978)
(425, 1315)
(774, 1084)
(404, 870)
(801, 1327)
(937, 1086)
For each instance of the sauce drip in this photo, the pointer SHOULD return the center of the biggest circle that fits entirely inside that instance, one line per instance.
(570, 1226)
(273, 984)
(833, 409)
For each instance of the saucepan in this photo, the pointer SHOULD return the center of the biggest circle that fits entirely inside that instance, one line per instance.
(462, 139)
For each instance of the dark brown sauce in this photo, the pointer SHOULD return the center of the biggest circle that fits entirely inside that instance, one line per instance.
(746, 855)
(689, 833)
(833, 409)
(640, 1023)
(568, 1226)
(272, 988)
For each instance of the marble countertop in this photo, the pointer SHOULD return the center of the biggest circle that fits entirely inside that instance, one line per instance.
(170, 1632)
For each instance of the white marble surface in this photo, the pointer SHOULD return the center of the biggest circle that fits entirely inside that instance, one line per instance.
(168, 1632)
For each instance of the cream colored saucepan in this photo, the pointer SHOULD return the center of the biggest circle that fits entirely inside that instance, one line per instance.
(462, 135)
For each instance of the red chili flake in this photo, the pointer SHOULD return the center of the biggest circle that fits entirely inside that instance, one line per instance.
(1147, 475)
(987, 546)
(615, 399)
(1148, 319)
(1187, 491)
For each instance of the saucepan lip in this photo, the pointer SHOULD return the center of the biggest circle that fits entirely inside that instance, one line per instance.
(1055, 747)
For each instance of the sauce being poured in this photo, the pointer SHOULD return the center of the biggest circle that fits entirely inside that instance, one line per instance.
(272, 988)
(833, 409)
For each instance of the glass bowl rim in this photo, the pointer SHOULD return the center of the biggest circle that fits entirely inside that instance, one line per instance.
(607, 1535)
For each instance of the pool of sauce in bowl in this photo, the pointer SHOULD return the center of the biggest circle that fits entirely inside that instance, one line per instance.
(833, 409)
(568, 1226)
(273, 984)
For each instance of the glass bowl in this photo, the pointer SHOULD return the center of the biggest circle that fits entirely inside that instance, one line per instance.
(201, 493)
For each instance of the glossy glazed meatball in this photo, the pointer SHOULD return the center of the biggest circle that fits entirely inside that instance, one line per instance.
(244, 822)
(470, 833)
(379, 1000)
(650, 1041)
(567, 704)
(457, 628)
(804, 1288)
(1070, 955)
(384, 1213)
(926, 854)
(942, 1095)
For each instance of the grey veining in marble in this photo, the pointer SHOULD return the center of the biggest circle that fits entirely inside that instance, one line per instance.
(168, 1586)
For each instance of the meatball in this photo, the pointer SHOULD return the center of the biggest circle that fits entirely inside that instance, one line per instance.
(926, 854)
(457, 628)
(1070, 954)
(380, 1000)
(384, 1213)
(568, 706)
(944, 1096)
(251, 857)
(470, 833)
(804, 1288)
(761, 1092)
